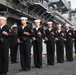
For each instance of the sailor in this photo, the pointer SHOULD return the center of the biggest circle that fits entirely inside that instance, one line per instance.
(69, 43)
(4, 45)
(50, 43)
(13, 44)
(37, 44)
(24, 36)
(60, 38)
(75, 42)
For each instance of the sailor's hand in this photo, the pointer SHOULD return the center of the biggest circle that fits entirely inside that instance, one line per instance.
(5, 33)
(52, 33)
(34, 38)
(70, 33)
(64, 39)
(62, 34)
(56, 39)
(18, 40)
(46, 38)
(73, 39)
(26, 33)
(39, 33)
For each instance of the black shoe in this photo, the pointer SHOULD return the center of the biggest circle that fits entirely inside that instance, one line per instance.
(28, 69)
(60, 62)
(16, 62)
(4, 73)
(33, 67)
(0, 73)
(12, 62)
(37, 67)
(24, 70)
(20, 70)
(40, 67)
(51, 64)
(71, 60)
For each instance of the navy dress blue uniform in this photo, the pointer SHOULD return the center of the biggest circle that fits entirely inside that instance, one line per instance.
(75, 41)
(50, 45)
(4, 49)
(25, 47)
(60, 46)
(37, 47)
(69, 45)
(13, 46)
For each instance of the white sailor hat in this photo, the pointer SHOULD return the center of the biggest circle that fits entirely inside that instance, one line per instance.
(49, 22)
(37, 20)
(59, 25)
(25, 18)
(2, 17)
(14, 26)
(67, 24)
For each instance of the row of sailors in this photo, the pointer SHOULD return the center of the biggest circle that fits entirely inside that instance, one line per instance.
(22, 34)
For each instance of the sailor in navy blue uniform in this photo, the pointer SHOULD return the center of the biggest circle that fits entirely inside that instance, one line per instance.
(4, 46)
(60, 38)
(24, 36)
(13, 44)
(69, 43)
(37, 44)
(50, 43)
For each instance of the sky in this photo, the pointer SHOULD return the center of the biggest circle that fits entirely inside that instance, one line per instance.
(73, 3)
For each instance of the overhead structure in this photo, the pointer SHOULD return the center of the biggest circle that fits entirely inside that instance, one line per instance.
(60, 5)
(45, 10)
